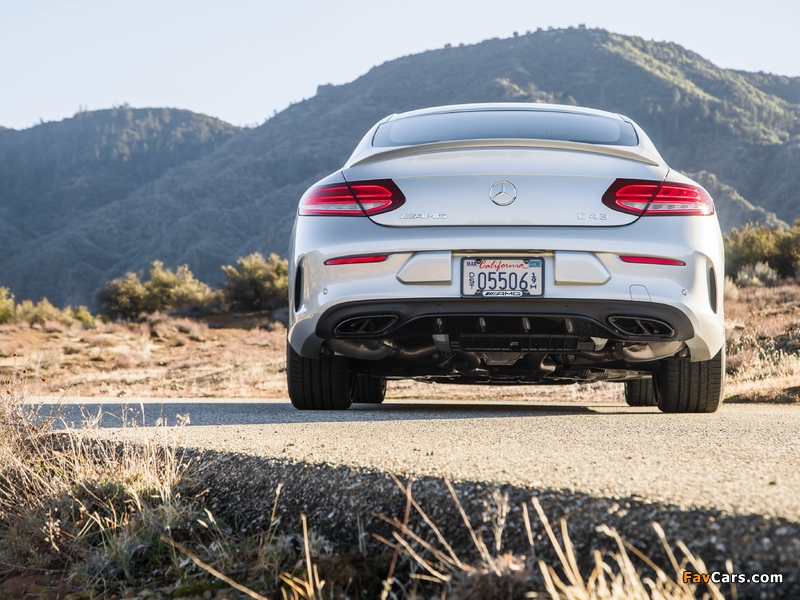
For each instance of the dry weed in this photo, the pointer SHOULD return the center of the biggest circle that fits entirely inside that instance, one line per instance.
(617, 574)
(164, 356)
(763, 342)
(101, 518)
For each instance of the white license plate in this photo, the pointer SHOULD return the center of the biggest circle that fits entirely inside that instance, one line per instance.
(502, 277)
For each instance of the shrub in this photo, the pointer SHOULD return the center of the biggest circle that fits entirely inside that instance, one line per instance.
(757, 275)
(730, 290)
(749, 246)
(788, 263)
(41, 312)
(122, 298)
(38, 313)
(779, 248)
(6, 305)
(256, 283)
(126, 298)
(82, 315)
(166, 290)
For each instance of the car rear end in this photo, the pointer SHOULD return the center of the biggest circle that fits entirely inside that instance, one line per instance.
(507, 259)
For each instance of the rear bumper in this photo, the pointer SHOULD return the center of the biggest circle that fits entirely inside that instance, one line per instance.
(688, 298)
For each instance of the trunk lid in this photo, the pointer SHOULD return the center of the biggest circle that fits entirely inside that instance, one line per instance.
(530, 186)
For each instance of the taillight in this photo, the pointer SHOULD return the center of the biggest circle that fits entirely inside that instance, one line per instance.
(652, 260)
(357, 260)
(357, 199)
(653, 198)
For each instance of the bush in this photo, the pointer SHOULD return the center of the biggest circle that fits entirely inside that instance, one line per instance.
(167, 290)
(788, 245)
(749, 246)
(39, 313)
(6, 305)
(82, 315)
(257, 284)
(122, 298)
(126, 298)
(730, 290)
(779, 248)
(757, 275)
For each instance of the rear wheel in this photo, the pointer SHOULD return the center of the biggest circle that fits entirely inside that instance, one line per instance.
(640, 392)
(369, 390)
(323, 383)
(691, 387)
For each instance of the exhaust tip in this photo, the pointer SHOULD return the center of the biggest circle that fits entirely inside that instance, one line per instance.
(365, 325)
(644, 327)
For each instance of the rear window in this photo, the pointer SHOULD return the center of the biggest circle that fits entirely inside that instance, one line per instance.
(524, 124)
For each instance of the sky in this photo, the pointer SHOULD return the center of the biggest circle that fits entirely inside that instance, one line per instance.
(242, 60)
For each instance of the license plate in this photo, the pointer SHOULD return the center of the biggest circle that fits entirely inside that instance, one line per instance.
(502, 277)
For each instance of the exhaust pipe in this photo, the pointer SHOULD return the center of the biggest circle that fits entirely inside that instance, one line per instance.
(378, 350)
(641, 326)
(362, 350)
(367, 325)
(649, 351)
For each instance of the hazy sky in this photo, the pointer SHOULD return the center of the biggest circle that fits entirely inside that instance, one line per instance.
(240, 60)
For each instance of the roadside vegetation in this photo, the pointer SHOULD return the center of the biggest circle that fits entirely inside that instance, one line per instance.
(762, 323)
(99, 519)
(41, 312)
(758, 255)
(253, 284)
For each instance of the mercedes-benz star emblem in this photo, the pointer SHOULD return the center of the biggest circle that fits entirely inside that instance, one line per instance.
(502, 193)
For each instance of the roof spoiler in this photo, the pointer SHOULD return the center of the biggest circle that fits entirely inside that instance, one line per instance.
(390, 153)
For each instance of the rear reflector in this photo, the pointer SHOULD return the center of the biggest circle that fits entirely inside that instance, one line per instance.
(356, 199)
(356, 260)
(652, 260)
(653, 198)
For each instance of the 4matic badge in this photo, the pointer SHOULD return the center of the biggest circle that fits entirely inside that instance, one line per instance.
(423, 216)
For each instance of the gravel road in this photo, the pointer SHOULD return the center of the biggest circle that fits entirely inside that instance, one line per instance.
(744, 459)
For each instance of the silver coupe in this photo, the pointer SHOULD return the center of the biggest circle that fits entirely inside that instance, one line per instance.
(506, 244)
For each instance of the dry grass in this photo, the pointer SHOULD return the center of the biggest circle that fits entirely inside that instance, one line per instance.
(97, 519)
(763, 344)
(161, 357)
(497, 575)
(590, 393)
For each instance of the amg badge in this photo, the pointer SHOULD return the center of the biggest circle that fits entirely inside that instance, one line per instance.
(423, 216)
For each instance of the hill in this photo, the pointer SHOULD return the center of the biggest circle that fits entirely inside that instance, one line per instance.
(781, 86)
(732, 209)
(741, 128)
(55, 176)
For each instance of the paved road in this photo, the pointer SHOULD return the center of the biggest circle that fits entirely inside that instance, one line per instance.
(744, 458)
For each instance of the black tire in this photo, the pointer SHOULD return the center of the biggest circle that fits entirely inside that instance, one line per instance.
(369, 390)
(318, 384)
(640, 392)
(691, 387)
